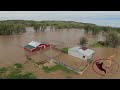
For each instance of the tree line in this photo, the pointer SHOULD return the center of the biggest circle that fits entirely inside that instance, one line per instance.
(10, 27)
(57, 25)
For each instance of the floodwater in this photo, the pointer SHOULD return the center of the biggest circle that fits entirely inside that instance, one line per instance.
(11, 51)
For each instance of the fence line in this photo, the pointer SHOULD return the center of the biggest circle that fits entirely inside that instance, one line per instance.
(58, 62)
(69, 67)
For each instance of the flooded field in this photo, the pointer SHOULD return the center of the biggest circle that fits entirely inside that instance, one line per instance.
(11, 51)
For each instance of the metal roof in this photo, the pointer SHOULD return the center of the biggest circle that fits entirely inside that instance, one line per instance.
(85, 51)
(29, 47)
(34, 43)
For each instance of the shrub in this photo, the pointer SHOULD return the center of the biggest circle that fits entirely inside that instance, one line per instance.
(17, 65)
(3, 70)
(95, 45)
(65, 50)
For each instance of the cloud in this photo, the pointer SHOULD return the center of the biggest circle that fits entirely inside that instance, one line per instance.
(97, 17)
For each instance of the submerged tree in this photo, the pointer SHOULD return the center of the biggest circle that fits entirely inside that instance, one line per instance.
(87, 28)
(10, 28)
(36, 27)
(43, 27)
(112, 39)
(83, 40)
(95, 30)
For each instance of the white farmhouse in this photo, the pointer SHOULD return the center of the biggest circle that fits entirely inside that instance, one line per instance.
(81, 52)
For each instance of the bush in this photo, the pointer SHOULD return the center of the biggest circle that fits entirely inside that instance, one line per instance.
(3, 70)
(28, 76)
(95, 45)
(17, 65)
(83, 41)
(101, 43)
(65, 50)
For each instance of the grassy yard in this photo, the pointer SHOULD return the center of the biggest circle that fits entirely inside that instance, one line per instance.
(55, 68)
(95, 45)
(65, 50)
(15, 72)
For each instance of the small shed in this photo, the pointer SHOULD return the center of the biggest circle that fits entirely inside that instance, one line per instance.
(35, 46)
(81, 52)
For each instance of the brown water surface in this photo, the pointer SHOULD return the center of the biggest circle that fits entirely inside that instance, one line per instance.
(11, 52)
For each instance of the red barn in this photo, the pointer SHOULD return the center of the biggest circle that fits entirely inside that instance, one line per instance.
(35, 46)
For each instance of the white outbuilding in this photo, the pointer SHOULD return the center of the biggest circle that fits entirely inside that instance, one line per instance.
(81, 52)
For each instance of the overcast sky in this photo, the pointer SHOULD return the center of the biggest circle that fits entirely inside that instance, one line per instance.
(111, 18)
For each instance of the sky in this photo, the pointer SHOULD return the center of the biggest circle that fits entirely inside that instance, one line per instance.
(104, 18)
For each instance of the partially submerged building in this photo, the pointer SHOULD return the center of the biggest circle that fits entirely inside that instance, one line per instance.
(35, 46)
(81, 52)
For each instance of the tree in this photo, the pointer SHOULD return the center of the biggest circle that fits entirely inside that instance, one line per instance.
(87, 28)
(43, 27)
(112, 39)
(10, 28)
(36, 27)
(95, 30)
(83, 41)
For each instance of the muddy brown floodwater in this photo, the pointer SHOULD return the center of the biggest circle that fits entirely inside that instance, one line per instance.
(11, 52)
